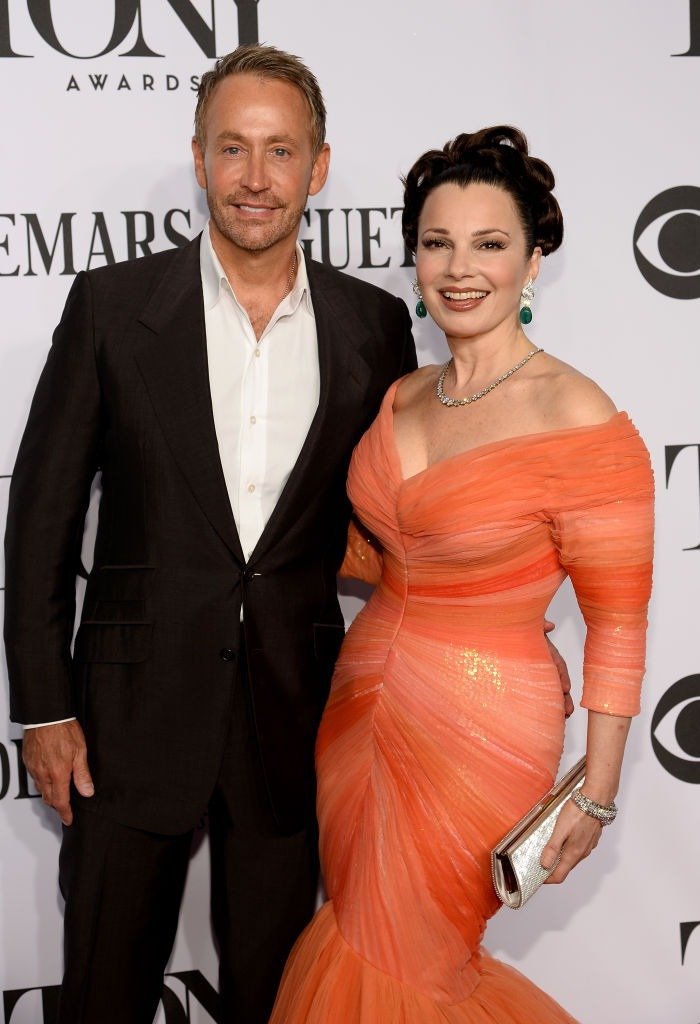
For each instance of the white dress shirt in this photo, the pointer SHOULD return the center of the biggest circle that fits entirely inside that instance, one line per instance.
(264, 393)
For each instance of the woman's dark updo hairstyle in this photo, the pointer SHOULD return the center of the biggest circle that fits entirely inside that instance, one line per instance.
(493, 156)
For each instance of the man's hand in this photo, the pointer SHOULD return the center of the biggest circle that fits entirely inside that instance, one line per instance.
(561, 668)
(53, 754)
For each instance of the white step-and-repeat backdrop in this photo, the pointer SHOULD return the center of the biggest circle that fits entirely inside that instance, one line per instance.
(98, 98)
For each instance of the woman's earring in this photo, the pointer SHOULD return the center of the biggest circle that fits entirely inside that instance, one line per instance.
(421, 311)
(526, 297)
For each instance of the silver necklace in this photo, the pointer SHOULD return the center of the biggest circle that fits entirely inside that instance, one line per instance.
(446, 400)
(292, 270)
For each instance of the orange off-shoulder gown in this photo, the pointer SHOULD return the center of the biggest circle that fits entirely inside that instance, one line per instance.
(445, 720)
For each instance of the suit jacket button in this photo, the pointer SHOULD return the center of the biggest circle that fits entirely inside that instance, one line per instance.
(226, 654)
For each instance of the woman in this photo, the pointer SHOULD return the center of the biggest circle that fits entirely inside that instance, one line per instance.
(486, 481)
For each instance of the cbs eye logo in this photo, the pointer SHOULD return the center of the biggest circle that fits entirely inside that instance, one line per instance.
(667, 242)
(675, 729)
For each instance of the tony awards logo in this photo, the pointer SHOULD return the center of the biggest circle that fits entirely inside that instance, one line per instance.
(130, 27)
(694, 48)
(187, 998)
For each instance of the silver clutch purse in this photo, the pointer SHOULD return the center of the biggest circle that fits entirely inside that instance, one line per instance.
(515, 862)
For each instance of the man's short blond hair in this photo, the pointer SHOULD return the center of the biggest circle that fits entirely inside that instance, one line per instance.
(266, 62)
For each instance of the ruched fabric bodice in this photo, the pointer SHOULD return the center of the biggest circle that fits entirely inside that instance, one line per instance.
(445, 720)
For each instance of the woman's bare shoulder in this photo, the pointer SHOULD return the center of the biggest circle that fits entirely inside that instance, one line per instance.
(572, 399)
(414, 385)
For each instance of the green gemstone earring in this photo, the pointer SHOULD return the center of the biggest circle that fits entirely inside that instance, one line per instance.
(421, 311)
(526, 297)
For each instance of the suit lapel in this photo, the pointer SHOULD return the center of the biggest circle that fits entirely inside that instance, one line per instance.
(344, 380)
(172, 358)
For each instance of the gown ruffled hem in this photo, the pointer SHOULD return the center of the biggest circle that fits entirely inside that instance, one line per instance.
(327, 982)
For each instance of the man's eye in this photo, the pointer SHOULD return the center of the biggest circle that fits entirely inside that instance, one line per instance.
(280, 151)
(232, 150)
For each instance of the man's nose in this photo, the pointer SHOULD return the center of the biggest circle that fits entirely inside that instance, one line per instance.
(255, 175)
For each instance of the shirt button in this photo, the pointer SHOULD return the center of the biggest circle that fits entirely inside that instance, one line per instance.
(253, 420)
(226, 654)
(257, 353)
(251, 488)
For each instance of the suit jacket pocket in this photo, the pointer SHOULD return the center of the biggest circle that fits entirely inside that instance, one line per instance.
(118, 593)
(118, 642)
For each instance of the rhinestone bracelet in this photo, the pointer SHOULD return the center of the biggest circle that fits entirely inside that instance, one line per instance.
(600, 812)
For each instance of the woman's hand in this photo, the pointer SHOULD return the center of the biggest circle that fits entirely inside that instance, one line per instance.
(562, 669)
(575, 835)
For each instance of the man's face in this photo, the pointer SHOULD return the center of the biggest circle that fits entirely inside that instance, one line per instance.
(258, 167)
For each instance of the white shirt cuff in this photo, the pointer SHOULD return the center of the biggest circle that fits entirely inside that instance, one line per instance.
(39, 725)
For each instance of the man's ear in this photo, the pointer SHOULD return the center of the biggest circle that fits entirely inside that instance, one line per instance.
(198, 157)
(319, 172)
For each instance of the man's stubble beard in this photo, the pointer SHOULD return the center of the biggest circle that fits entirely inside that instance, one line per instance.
(254, 238)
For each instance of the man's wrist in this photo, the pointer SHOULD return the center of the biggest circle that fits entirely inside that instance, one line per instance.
(40, 725)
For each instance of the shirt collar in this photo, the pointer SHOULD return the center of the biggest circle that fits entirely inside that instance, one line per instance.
(214, 278)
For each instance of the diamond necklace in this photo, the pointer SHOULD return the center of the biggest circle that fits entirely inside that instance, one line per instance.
(446, 400)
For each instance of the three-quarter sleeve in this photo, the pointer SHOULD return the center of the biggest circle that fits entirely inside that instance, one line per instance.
(363, 556)
(602, 525)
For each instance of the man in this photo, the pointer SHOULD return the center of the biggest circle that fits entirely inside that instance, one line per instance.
(220, 389)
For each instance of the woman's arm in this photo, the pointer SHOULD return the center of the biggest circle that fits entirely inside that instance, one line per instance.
(577, 833)
(602, 525)
(363, 555)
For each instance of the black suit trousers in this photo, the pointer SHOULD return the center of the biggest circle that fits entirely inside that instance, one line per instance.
(123, 889)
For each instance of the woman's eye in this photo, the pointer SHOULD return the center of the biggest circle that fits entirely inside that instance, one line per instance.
(434, 243)
(492, 243)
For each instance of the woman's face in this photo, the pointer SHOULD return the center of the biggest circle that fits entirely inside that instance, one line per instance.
(471, 262)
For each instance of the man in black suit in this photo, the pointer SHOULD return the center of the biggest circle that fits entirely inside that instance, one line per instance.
(219, 389)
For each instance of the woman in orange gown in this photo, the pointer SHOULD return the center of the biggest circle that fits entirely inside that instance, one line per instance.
(445, 721)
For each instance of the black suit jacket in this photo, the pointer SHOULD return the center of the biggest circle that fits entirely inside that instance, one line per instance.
(125, 389)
